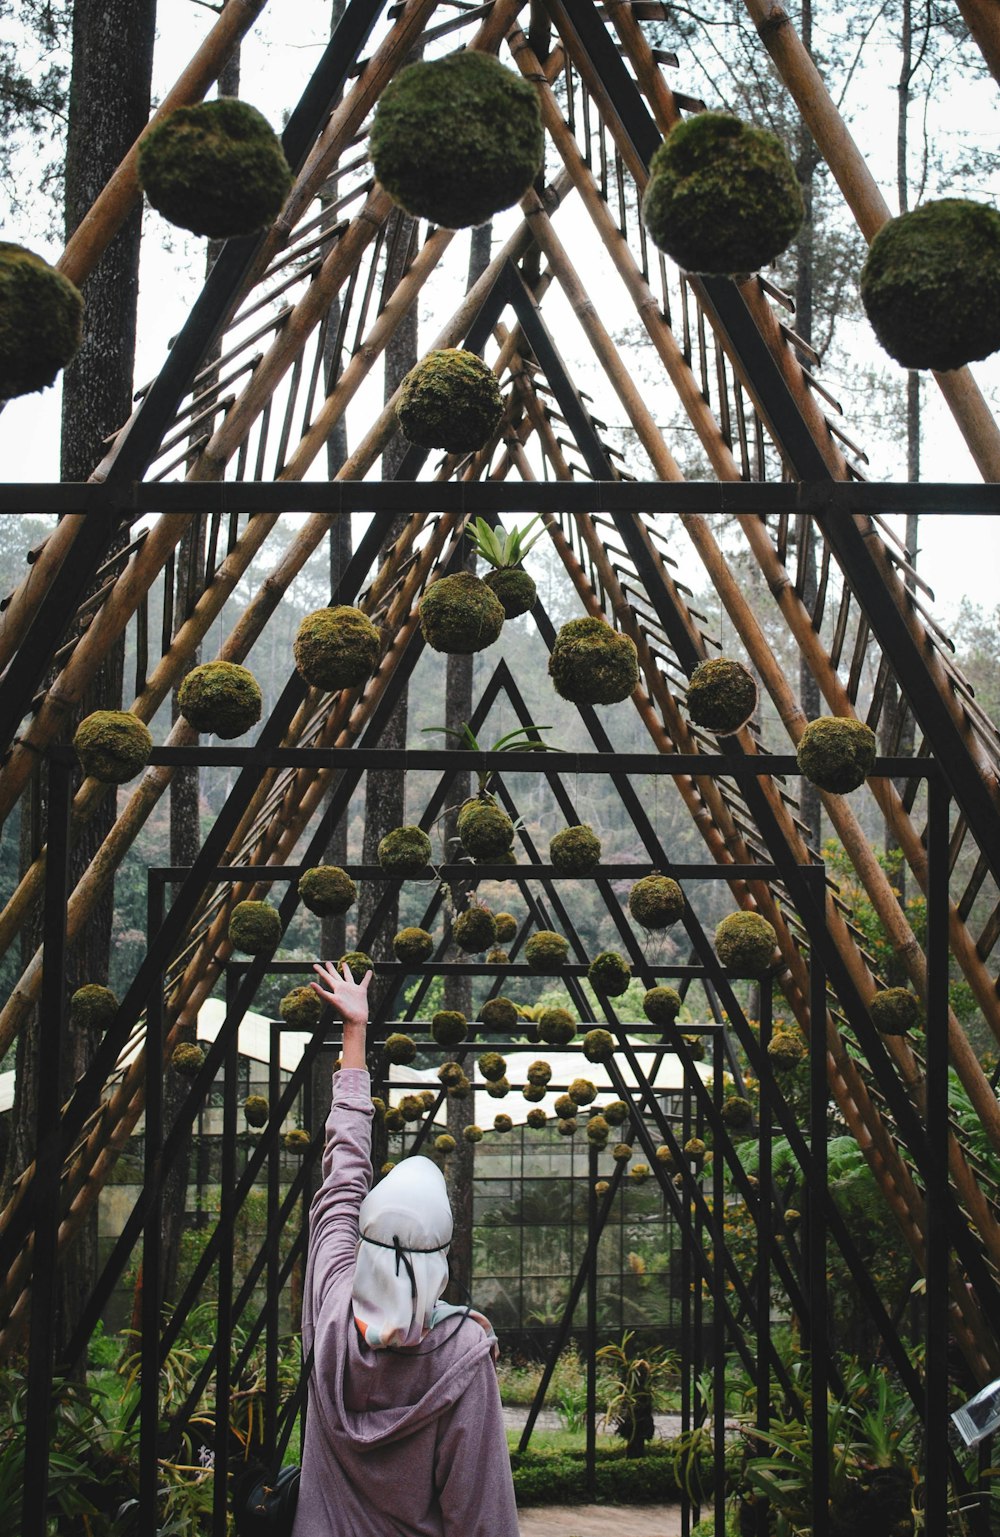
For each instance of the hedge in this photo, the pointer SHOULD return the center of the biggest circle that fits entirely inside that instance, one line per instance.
(560, 1478)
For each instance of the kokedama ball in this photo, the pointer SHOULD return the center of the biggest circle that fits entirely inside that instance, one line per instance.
(722, 196)
(327, 890)
(661, 1005)
(220, 697)
(492, 1066)
(404, 850)
(539, 1074)
(412, 946)
(621, 1152)
(737, 1112)
(255, 1110)
(556, 1026)
(410, 1108)
(515, 589)
(451, 1075)
(895, 1010)
(931, 284)
(358, 964)
(836, 753)
(616, 1114)
(444, 1143)
(297, 1142)
(497, 957)
(564, 1107)
(582, 1092)
(450, 400)
(786, 1049)
(609, 973)
(566, 1126)
(575, 851)
(506, 927)
(498, 1088)
(533, 1092)
(474, 930)
(502, 1122)
(217, 169)
(639, 1172)
(41, 321)
(546, 951)
(498, 1014)
(593, 664)
(394, 1120)
(745, 944)
(254, 927)
(187, 1058)
(92, 1007)
(449, 1026)
(536, 1119)
(722, 695)
(302, 1007)
(664, 1155)
(336, 648)
(597, 1129)
(112, 745)
(694, 1148)
(457, 139)
(459, 615)
(473, 1133)
(656, 902)
(598, 1045)
(400, 1049)
(485, 829)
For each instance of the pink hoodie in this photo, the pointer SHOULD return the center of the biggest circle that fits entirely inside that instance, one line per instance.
(403, 1443)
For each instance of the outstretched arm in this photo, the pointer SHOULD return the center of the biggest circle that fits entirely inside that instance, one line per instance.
(350, 999)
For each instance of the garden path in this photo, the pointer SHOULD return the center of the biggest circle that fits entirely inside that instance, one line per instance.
(600, 1520)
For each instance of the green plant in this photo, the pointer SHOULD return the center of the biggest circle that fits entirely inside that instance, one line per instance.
(523, 739)
(502, 548)
(639, 1382)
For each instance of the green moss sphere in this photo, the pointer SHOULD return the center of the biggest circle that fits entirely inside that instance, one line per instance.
(837, 753)
(593, 664)
(41, 321)
(297, 1142)
(498, 1014)
(327, 890)
(410, 1108)
(498, 1088)
(506, 927)
(472, 1133)
(538, 1074)
(745, 943)
(694, 1148)
(492, 1066)
(533, 1092)
(598, 1045)
(661, 1005)
(254, 927)
(575, 851)
(485, 829)
(786, 1049)
(474, 930)
(412, 946)
(722, 196)
(515, 589)
(895, 1010)
(609, 973)
(221, 698)
(656, 902)
(597, 1131)
(92, 1007)
(565, 1108)
(302, 1007)
(502, 1122)
(112, 745)
(459, 615)
(187, 1058)
(546, 951)
(451, 400)
(394, 1120)
(582, 1092)
(722, 695)
(444, 1143)
(457, 139)
(404, 851)
(931, 284)
(621, 1152)
(737, 1112)
(217, 169)
(449, 1026)
(497, 957)
(255, 1110)
(336, 648)
(566, 1126)
(452, 1075)
(536, 1119)
(400, 1049)
(358, 964)
(664, 1155)
(616, 1114)
(639, 1173)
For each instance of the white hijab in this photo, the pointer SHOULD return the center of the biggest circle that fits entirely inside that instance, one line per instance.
(402, 1264)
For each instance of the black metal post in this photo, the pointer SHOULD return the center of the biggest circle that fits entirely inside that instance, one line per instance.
(765, 1243)
(151, 1273)
(272, 1241)
(718, 1330)
(936, 1183)
(592, 1243)
(819, 1343)
(224, 1317)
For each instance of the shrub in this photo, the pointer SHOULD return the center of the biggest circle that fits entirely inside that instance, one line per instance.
(327, 890)
(220, 698)
(41, 321)
(451, 400)
(593, 664)
(217, 169)
(722, 695)
(837, 753)
(336, 648)
(656, 902)
(575, 851)
(112, 745)
(254, 927)
(459, 615)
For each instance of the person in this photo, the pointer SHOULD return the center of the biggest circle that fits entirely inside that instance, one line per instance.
(404, 1431)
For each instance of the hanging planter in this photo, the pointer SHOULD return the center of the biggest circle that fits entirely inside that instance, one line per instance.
(722, 196)
(786, 1050)
(498, 1088)
(536, 1119)
(336, 648)
(455, 140)
(459, 615)
(533, 1092)
(412, 946)
(492, 1066)
(546, 951)
(504, 550)
(327, 890)
(656, 902)
(220, 698)
(92, 1007)
(474, 930)
(400, 1050)
(498, 1015)
(41, 321)
(582, 1092)
(837, 753)
(895, 1010)
(450, 400)
(745, 944)
(297, 1142)
(593, 664)
(187, 1058)
(661, 1005)
(302, 1007)
(575, 851)
(722, 695)
(112, 746)
(931, 284)
(609, 974)
(506, 927)
(255, 1110)
(539, 1074)
(598, 1045)
(404, 851)
(473, 1133)
(449, 1027)
(737, 1112)
(254, 927)
(217, 169)
(502, 1123)
(484, 828)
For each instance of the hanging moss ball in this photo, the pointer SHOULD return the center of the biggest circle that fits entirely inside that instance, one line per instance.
(539, 1073)
(745, 944)
(412, 946)
(534, 1092)
(694, 1148)
(664, 1155)
(112, 745)
(656, 902)
(895, 1010)
(255, 1110)
(536, 1119)
(187, 1058)
(597, 1129)
(582, 1092)
(792, 1219)
(492, 1066)
(639, 1173)
(622, 1152)
(427, 1098)
(411, 1108)
(474, 930)
(695, 1046)
(472, 1133)
(387, 1167)
(722, 196)
(515, 589)
(460, 1090)
(336, 648)
(444, 1143)
(661, 1005)
(459, 615)
(598, 1045)
(498, 1088)
(358, 964)
(394, 1120)
(609, 974)
(297, 1142)
(400, 1049)
(255, 927)
(616, 1114)
(564, 1107)
(502, 1122)
(737, 1113)
(302, 1007)
(498, 1014)
(327, 890)
(404, 851)
(485, 829)
(546, 951)
(593, 664)
(220, 698)
(449, 1026)
(722, 695)
(217, 169)
(451, 400)
(786, 1049)
(931, 284)
(837, 753)
(575, 851)
(566, 1126)
(92, 1007)
(506, 926)
(457, 139)
(601, 1187)
(497, 957)
(451, 1075)
(41, 321)
(556, 1026)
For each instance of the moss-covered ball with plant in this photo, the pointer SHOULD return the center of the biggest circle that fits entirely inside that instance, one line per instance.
(404, 851)
(656, 902)
(302, 1008)
(220, 698)
(598, 1045)
(931, 284)
(575, 850)
(474, 930)
(187, 1058)
(503, 550)
(484, 829)
(661, 1005)
(255, 1110)
(546, 951)
(745, 944)
(609, 974)
(837, 753)
(112, 745)
(455, 140)
(254, 927)
(92, 1007)
(358, 964)
(722, 196)
(895, 1010)
(450, 400)
(336, 648)
(459, 615)
(400, 1049)
(412, 946)
(327, 890)
(449, 1027)
(41, 321)
(591, 663)
(217, 169)
(498, 1014)
(722, 695)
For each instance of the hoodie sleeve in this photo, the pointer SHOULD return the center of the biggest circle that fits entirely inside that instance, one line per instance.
(472, 1465)
(333, 1216)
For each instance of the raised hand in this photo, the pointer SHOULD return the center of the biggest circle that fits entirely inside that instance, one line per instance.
(349, 998)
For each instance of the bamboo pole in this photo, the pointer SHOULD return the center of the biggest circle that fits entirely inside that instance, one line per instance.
(983, 21)
(32, 588)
